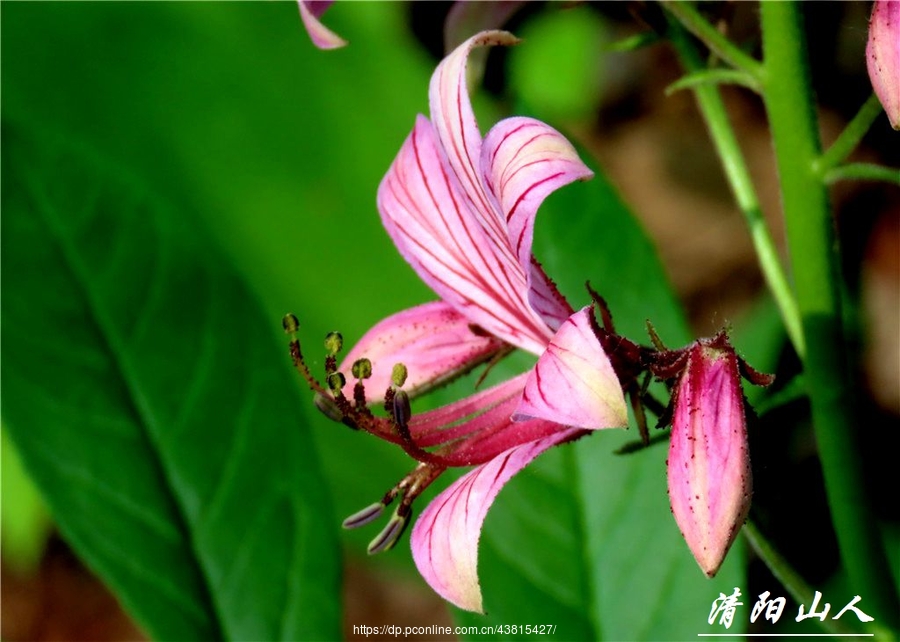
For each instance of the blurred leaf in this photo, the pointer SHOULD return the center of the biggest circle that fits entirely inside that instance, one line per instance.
(584, 539)
(25, 523)
(147, 400)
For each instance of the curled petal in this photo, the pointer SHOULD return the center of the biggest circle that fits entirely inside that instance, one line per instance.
(440, 234)
(433, 341)
(445, 537)
(709, 464)
(524, 161)
(573, 382)
(322, 36)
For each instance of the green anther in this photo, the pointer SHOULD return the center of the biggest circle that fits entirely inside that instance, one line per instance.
(361, 369)
(334, 342)
(336, 381)
(398, 374)
(290, 323)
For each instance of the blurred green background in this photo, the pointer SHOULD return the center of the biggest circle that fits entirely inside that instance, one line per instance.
(273, 151)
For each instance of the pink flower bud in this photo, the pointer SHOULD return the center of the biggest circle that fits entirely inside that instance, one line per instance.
(709, 463)
(883, 56)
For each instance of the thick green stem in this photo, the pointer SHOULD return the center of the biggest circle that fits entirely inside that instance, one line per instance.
(789, 103)
(711, 106)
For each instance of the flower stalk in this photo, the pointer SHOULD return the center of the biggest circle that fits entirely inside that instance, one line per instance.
(810, 228)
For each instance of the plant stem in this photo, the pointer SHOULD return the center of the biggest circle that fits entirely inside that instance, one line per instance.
(789, 104)
(714, 113)
(688, 15)
(850, 137)
(862, 172)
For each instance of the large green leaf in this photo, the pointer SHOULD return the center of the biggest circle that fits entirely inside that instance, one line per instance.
(583, 538)
(147, 399)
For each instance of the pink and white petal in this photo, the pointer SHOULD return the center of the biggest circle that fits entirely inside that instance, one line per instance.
(445, 537)
(573, 382)
(524, 161)
(322, 36)
(457, 129)
(437, 232)
(466, 18)
(432, 340)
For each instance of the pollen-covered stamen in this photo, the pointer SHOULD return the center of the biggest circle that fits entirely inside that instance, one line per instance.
(366, 516)
(361, 369)
(291, 325)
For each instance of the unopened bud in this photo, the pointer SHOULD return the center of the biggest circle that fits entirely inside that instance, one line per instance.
(709, 461)
(334, 342)
(398, 374)
(361, 368)
(883, 56)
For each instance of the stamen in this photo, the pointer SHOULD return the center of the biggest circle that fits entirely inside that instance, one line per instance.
(387, 538)
(333, 343)
(336, 381)
(328, 407)
(366, 516)
(401, 409)
(399, 374)
(290, 323)
(361, 369)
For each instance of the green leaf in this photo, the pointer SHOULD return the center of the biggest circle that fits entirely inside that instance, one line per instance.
(150, 405)
(583, 538)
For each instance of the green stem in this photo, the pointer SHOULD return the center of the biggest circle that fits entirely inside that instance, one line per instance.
(711, 106)
(688, 15)
(850, 137)
(862, 172)
(810, 229)
(785, 573)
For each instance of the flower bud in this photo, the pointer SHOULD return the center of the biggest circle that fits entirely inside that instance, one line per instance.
(709, 462)
(883, 56)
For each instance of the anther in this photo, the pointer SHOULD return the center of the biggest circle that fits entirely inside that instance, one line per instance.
(361, 368)
(328, 407)
(400, 408)
(290, 323)
(398, 375)
(333, 343)
(366, 516)
(387, 538)
(336, 381)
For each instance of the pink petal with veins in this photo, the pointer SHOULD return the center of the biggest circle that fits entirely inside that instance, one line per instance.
(445, 538)
(573, 382)
(433, 341)
(439, 233)
(883, 56)
(322, 36)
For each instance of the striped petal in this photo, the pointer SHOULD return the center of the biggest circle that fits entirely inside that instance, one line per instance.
(573, 382)
(445, 538)
(433, 341)
(440, 233)
(322, 36)
(524, 161)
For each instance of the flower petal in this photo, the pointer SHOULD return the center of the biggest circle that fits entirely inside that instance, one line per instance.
(524, 161)
(480, 427)
(441, 235)
(573, 382)
(322, 36)
(883, 56)
(445, 538)
(433, 341)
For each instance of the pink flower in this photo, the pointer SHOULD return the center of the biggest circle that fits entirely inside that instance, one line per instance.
(322, 36)
(460, 209)
(883, 56)
(709, 463)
